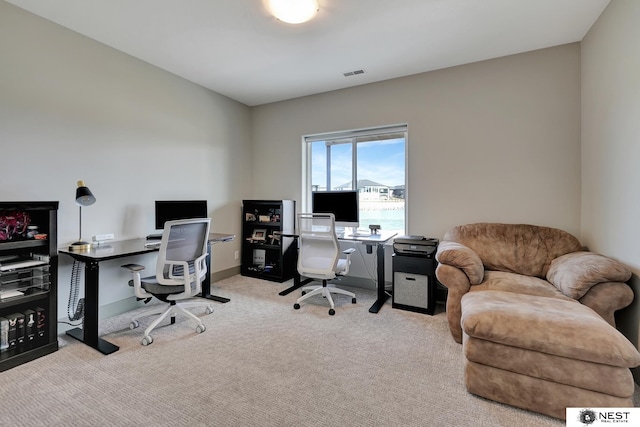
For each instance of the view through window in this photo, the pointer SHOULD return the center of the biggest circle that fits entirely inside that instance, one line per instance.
(371, 161)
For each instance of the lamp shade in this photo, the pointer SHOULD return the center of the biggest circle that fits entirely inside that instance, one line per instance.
(84, 196)
(293, 11)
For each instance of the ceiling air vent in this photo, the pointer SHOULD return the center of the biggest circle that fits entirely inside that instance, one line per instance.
(353, 73)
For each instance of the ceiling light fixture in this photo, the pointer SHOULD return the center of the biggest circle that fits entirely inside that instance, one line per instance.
(293, 11)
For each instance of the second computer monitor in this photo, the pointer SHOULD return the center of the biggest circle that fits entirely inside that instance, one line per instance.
(342, 204)
(170, 210)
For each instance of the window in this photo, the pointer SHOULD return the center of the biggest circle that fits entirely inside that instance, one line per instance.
(371, 161)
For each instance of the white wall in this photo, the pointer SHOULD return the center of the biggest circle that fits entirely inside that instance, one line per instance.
(497, 140)
(611, 143)
(72, 108)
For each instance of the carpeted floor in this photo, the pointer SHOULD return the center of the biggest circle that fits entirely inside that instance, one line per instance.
(260, 363)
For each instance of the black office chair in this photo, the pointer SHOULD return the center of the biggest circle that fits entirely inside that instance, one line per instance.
(180, 270)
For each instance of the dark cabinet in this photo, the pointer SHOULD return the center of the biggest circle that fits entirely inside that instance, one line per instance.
(28, 281)
(268, 243)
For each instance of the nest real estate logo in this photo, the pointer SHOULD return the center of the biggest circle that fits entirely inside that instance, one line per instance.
(602, 416)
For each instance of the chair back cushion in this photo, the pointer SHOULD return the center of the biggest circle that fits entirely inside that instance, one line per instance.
(318, 245)
(516, 248)
(183, 242)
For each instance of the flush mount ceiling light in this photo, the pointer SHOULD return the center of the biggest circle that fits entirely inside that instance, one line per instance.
(293, 11)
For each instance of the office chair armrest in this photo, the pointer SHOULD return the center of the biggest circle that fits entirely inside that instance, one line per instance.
(133, 267)
(137, 283)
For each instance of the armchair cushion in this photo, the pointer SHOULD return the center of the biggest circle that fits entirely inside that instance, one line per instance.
(460, 256)
(575, 273)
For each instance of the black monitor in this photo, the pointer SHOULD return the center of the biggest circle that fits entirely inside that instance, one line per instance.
(342, 204)
(169, 210)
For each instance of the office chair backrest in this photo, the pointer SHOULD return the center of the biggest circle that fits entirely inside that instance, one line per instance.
(319, 248)
(183, 241)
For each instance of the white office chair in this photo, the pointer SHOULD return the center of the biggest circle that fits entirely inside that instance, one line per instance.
(180, 270)
(319, 257)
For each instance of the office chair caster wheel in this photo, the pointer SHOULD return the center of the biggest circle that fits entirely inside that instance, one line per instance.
(134, 324)
(147, 340)
(208, 310)
(296, 306)
(200, 328)
(353, 300)
(331, 312)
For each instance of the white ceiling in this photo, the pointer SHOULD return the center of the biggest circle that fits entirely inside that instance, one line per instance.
(236, 48)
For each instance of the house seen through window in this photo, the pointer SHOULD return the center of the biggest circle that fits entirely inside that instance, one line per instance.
(371, 161)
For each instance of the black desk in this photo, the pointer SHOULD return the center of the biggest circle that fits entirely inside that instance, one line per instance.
(377, 240)
(88, 334)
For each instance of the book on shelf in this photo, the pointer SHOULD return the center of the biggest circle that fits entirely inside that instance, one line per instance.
(4, 333)
(30, 326)
(41, 324)
(12, 333)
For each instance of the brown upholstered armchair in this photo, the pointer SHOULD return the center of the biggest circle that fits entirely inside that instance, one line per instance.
(528, 259)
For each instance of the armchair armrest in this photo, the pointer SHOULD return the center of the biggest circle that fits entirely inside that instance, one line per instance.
(459, 267)
(608, 297)
(575, 273)
(463, 258)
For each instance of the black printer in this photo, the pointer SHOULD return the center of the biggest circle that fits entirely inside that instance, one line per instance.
(415, 245)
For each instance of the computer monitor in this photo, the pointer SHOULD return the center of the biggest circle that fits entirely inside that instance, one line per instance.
(169, 210)
(342, 204)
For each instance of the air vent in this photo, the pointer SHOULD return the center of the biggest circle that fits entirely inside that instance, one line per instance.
(353, 73)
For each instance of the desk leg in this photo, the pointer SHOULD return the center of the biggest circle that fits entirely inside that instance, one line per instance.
(297, 284)
(382, 295)
(206, 283)
(88, 334)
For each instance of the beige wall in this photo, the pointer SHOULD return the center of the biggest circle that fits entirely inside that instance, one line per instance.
(72, 108)
(497, 140)
(611, 143)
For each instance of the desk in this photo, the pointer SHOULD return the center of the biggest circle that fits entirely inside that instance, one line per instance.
(88, 334)
(377, 240)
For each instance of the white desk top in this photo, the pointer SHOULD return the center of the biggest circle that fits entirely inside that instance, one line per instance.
(381, 237)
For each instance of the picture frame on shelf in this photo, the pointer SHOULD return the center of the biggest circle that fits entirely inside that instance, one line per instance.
(259, 234)
(264, 218)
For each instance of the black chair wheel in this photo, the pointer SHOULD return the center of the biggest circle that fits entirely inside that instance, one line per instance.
(331, 312)
(353, 300)
(296, 306)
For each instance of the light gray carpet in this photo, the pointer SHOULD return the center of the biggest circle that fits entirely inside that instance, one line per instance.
(260, 363)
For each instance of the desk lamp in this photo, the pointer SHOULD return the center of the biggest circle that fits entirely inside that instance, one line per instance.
(84, 197)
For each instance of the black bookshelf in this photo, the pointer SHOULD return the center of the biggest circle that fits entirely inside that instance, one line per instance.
(269, 249)
(28, 281)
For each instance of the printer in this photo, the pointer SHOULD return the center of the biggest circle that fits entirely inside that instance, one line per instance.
(415, 245)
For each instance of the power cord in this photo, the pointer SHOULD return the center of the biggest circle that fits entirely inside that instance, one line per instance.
(75, 307)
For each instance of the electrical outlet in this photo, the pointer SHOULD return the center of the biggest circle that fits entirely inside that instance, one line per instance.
(236, 255)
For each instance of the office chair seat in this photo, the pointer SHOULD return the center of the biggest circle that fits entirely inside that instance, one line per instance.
(180, 270)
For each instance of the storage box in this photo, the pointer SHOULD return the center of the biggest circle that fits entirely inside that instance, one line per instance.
(412, 292)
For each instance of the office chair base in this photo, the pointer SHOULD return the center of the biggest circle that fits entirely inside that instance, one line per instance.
(163, 311)
(326, 292)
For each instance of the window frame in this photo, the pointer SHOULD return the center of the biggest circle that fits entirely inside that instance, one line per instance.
(356, 137)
